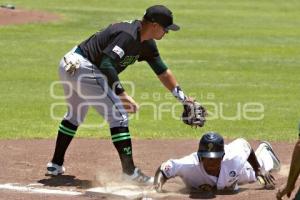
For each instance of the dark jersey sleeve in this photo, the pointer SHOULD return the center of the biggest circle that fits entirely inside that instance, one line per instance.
(157, 65)
(150, 54)
(117, 48)
(108, 69)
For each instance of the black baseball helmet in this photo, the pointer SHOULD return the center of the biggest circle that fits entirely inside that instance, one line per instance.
(211, 145)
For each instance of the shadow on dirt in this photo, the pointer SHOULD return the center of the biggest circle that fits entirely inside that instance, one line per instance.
(66, 180)
(196, 194)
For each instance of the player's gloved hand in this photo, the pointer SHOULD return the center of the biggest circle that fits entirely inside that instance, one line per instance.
(193, 113)
(159, 180)
(265, 178)
(72, 63)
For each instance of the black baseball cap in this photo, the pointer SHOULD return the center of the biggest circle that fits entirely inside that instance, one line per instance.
(161, 15)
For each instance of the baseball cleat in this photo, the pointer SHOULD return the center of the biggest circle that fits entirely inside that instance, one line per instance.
(276, 161)
(54, 169)
(138, 177)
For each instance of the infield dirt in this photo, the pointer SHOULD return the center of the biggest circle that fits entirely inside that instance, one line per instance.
(94, 162)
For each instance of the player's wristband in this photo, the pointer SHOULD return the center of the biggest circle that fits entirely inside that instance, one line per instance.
(178, 94)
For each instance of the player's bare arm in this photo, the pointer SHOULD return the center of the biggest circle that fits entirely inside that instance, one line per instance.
(168, 80)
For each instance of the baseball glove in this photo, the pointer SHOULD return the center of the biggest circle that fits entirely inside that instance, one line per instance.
(193, 113)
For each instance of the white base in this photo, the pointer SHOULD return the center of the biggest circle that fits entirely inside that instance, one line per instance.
(127, 192)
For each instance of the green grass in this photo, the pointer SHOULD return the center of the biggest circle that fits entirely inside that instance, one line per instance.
(227, 53)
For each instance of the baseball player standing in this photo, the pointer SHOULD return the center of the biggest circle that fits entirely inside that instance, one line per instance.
(90, 71)
(220, 166)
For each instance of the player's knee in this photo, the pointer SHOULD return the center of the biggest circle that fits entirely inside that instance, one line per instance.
(76, 115)
(74, 119)
(121, 121)
(244, 143)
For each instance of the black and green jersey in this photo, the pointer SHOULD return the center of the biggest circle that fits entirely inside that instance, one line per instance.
(118, 46)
